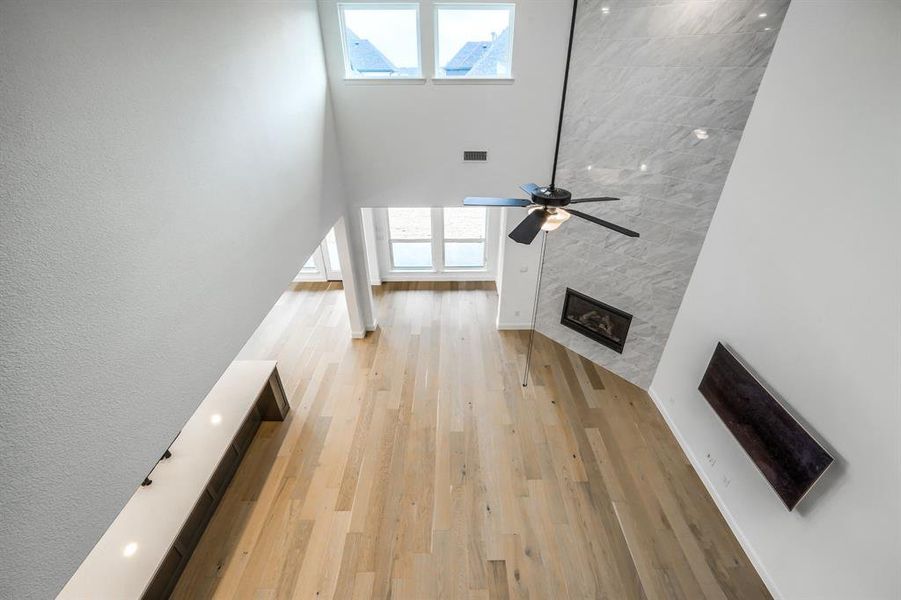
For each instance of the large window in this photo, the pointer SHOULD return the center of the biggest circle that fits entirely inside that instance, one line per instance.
(380, 40)
(474, 41)
(410, 237)
(464, 237)
(451, 243)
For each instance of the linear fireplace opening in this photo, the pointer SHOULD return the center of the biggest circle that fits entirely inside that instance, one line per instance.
(592, 318)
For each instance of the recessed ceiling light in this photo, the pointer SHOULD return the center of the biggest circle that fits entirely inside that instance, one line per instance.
(761, 16)
(130, 549)
(643, 167)
(701, 134)
(767, 28)
(588, 168)
(216, 419)
(605, 10)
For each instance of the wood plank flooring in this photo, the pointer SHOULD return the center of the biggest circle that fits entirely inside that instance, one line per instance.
(415, 465)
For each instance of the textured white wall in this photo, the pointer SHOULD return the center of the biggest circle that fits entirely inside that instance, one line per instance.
(163, 178)
(644, 76)
(801, 275)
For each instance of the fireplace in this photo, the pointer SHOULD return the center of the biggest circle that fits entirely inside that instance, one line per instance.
(592, 318)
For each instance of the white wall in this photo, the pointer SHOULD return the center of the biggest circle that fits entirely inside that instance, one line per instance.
(163, 178)
(517, 275)
(801, 275)
(402, 144)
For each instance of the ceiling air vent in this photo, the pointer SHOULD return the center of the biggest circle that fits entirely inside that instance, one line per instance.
(475, 155)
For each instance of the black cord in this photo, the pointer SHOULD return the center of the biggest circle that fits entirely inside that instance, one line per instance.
(525, 375)
(569, 53)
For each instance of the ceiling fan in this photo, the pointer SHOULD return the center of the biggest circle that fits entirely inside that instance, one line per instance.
(546, 210)
(548, 205)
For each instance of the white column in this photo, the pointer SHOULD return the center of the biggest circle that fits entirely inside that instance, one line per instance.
(369, 238)
(517, 271)
(352, 255)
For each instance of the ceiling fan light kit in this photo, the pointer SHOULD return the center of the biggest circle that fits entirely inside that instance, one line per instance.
(546, 205)
(546, 210)
(555, 218)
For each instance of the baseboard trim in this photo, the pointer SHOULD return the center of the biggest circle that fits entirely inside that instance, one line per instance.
(445, 276)
(720, 504)
(513, 326)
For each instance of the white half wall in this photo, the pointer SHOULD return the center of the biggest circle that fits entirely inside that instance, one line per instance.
(166, 169)
(800, 274)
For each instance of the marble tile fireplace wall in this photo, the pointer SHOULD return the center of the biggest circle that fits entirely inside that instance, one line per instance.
(659, 94)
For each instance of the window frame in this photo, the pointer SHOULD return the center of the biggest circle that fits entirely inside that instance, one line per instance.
(430, 240)
(436, 37)
(438, 271)
(323, 270)
(349, 74)
(315, 273)
(445, 240)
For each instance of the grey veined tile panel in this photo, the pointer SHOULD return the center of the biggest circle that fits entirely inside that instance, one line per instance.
(659, 93)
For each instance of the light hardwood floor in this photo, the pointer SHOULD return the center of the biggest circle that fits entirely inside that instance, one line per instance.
(415, 465)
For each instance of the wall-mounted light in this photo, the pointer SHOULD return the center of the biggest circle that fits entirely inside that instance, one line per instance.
(130, 549)
(216, 419)
(761, 16)
(643, 167)
(701, 134)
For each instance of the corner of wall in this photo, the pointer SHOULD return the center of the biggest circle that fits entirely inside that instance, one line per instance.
(720, 504)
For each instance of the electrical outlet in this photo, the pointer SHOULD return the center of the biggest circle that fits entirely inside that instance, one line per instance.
(524, 269)
(516, 312)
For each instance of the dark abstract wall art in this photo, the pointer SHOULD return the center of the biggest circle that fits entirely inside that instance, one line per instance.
(787, 455)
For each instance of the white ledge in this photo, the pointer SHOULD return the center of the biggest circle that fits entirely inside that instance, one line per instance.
(473, 80)
(385, 80)
(154, 516)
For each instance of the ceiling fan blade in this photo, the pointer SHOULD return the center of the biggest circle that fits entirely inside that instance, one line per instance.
(479, 201)
(526, 231)
(529, 188)
(604, 223)
(601, 199)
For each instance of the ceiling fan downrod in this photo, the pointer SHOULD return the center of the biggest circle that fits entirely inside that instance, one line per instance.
(569, 54)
